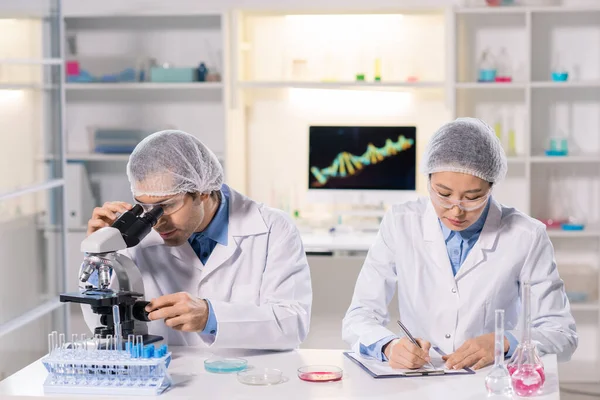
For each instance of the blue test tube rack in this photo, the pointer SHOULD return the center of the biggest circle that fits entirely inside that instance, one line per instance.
(133, 371)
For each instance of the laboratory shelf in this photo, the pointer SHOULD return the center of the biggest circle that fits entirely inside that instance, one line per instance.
(586, 233)
(491, 85)
(585, 307)
(26, 86)
(31, 61)
(516, 159)
(338, 85)
(96, 157)
(565, 85)
(38, 187)
(583, 159)
(523, 9)
(491, 10)
(145, 86)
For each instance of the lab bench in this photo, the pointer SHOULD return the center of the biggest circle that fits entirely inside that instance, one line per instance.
(190, 379)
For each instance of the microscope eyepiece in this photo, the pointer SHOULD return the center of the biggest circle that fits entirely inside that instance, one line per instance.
(153, 215)
(128, 218)
(141, 226)
(137, 210)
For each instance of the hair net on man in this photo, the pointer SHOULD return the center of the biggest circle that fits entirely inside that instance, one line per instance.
(466, 145)
(171, 162)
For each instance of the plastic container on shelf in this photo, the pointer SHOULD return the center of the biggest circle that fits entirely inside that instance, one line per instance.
(486, 68)
(107, 69)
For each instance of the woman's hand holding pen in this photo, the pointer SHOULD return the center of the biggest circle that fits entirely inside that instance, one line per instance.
(402, 354)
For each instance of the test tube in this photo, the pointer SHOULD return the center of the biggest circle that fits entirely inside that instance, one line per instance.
(73, 340)
(139, 345)
(109, 339)
(50, 343)
(54, 340)
(84, 345)
(130, 344)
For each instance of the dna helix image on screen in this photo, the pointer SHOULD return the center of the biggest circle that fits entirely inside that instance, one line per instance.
(347, 164)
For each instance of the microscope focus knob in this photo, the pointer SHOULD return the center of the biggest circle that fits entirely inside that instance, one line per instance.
(139, 312)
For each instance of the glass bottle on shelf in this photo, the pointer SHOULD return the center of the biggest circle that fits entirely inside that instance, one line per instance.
(486, 67)
(525, 367)
(504, 72)
(559, 72)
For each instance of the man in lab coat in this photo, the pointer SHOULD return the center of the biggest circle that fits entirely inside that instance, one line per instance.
(456, 258)
(220, 269)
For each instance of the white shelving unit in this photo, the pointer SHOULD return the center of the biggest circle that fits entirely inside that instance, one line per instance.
(536, 34)
(145, 86)
(338, 85)
(31, 191)
(181, 40)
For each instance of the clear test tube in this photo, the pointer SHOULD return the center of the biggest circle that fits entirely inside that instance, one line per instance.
(139, 345)
(84, 343)
(131, 344)
(50, 346)
(74, 341)
(109, 340)
(61, 341)
(54, 340)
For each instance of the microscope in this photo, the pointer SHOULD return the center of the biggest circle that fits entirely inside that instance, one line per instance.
(101, 256)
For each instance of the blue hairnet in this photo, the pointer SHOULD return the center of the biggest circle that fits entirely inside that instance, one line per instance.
(466, 145)
(172, 162)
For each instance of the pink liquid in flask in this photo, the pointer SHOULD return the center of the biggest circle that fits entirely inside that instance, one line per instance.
(528, 380)
(539, 369)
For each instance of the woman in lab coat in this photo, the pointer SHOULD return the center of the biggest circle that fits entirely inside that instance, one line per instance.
(454, 258)
(220, 269)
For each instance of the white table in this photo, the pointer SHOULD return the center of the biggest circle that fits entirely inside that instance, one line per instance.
(192, 381)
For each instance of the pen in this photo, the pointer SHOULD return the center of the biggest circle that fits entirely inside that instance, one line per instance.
(411, 338)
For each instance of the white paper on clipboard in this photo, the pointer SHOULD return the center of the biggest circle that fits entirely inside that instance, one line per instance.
(382, 369)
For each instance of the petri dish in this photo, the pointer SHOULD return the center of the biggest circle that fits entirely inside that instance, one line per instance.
(221, 365)
(260, 376)
(320, 373)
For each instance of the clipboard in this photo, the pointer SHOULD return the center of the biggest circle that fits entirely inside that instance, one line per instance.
(380, 370)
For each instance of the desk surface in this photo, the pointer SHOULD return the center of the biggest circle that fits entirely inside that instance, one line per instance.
(192, 381)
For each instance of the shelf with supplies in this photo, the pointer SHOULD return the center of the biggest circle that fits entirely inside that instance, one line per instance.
(565, 84)
(492, 85)
(577, 159)
(339, 85)
(588, 232)
(525, 9)
(589, 306)
(145, 86)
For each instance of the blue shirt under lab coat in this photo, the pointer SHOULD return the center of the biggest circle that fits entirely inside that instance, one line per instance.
(205, 242)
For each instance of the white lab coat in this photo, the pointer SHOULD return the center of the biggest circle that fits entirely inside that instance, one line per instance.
(410, 255)
(259, 284)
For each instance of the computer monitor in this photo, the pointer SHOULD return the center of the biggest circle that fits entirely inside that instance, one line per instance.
(367, 164)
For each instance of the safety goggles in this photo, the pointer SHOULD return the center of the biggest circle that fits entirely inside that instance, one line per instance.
(169, 206)
(465, 205)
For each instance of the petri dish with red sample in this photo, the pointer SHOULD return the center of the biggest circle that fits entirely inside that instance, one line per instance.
(320, 373)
